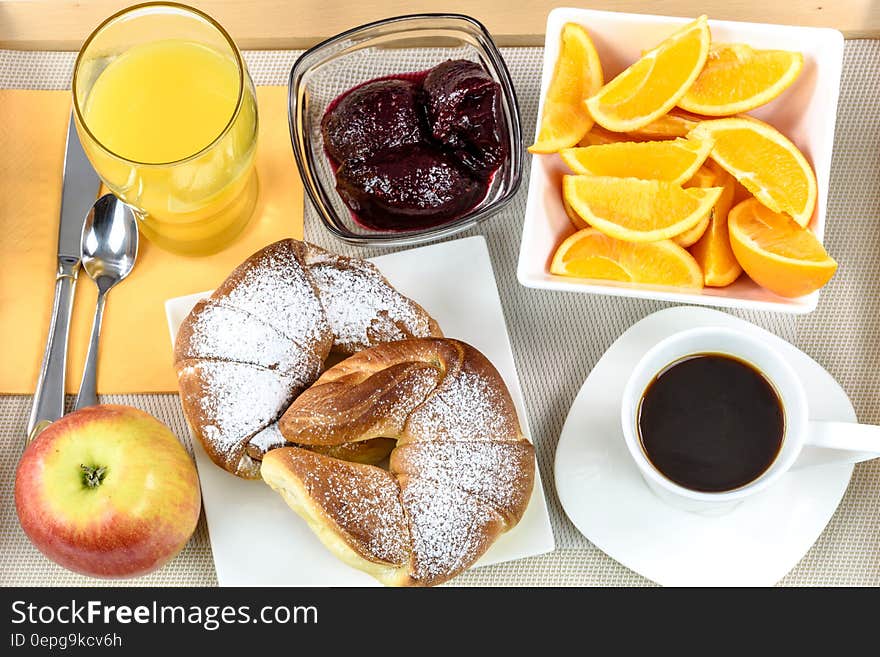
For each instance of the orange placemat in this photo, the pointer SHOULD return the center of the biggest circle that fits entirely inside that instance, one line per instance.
(135, 353)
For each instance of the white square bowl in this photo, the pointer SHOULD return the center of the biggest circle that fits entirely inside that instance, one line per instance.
(805, 113)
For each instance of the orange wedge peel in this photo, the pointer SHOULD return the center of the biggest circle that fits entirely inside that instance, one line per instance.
(674, 161)
(591, 254)
(776, 252)
(766, 162)
(737, 78)
(653, 85)
(712, 250)
(576, 76)
(636, 210)
(673, 124)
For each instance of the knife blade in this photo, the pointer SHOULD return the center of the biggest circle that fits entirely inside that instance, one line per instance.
(79, 190)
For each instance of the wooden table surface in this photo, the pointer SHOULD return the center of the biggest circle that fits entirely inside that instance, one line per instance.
(270, 24)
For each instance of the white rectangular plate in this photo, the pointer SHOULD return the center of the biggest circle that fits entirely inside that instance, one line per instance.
(805, 113)
(257, 540)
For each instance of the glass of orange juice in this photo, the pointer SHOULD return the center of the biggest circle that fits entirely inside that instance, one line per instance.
(167, 114)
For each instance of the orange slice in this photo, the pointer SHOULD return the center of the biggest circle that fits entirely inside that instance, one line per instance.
(765, 162)
(589, 253)
(737, 78)
(740, 193)
(704, 177)
(674, 161)
(712, 251)
(689, 237)
(576, 220)
(653, 85)
(776, 252)
(637, 210)
(576, 77)
(674, 124)
(598, 135)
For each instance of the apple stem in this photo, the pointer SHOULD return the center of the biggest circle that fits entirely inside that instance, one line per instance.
(93, 475)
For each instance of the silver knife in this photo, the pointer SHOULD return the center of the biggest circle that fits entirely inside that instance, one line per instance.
(79, 190)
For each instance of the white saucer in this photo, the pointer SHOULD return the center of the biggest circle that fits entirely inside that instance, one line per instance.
(755, 544)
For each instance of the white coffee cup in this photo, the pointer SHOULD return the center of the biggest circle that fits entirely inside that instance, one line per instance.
(805, 442)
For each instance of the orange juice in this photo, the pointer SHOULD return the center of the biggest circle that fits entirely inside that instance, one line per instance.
(172, 128)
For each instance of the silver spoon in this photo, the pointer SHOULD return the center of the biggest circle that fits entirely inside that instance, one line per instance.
(109, 249)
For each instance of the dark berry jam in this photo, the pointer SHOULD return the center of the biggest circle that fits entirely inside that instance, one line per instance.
(416, 150)
(464, 110)
(406, 188)
(372, 119)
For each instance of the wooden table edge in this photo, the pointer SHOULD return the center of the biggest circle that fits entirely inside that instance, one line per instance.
(280, 24)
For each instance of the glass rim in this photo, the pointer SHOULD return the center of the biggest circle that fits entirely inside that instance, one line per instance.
(132, 9)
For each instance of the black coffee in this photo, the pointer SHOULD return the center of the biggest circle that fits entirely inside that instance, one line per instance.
(711, 423)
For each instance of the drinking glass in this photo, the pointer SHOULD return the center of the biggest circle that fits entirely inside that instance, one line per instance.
(193, 202)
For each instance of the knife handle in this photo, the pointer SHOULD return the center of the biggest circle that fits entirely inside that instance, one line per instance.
(48, 403)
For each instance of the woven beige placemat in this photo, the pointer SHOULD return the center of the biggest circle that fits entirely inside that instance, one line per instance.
(557, 338)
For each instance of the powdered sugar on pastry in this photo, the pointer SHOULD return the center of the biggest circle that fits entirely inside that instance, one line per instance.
(449, 529)
(465, 407)
(361, 502)
(498, 472)
(275, 287)
(266, 439)
(227, 403)
(219, 332)
(362, 308)
(365, 504)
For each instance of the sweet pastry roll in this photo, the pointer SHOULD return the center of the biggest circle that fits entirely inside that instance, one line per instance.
(464, 470)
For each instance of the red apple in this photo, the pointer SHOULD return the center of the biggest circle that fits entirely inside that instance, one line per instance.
(107, 491)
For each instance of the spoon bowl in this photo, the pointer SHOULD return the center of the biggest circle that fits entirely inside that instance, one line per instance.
(109, 242)
(109, 250)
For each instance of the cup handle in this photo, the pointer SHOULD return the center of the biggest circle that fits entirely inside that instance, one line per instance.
(839, 442)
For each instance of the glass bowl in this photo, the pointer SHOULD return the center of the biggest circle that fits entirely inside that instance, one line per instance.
(392, 46)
